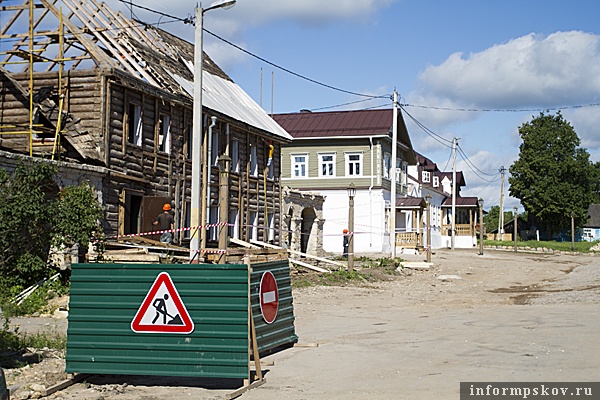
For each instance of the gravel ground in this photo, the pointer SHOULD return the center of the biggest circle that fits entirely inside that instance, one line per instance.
(500, 316)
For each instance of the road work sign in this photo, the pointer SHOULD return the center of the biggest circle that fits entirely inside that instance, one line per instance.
(269, 297)
(162, 310)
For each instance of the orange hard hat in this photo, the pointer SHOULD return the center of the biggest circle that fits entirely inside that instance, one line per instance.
(345, 230)
(167, 207)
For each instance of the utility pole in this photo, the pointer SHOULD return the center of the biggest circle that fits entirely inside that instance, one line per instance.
(428, 202)
(501, 219)
(393, 188)
(454, 145)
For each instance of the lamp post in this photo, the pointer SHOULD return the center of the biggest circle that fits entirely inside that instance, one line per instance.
(197, 128)
(428, 202)
(224, 161)
(351, 194)
(516, 232)
(572, 231)
(481, 226)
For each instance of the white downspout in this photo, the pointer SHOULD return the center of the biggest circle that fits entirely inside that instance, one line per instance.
(213, 122)
(370, 199)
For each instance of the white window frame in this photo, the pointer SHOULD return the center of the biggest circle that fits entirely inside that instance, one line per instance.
(299, 169)
(253, 160)
(214, 148)
(436, 181)
(426, 176)
(135, 123)
(254, 225)
(164, 133)
(387, 165)
(234, 221)
(352, 164)
(235, 155)
(331, 164)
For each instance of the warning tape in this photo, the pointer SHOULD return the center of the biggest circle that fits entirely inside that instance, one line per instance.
(167, 230)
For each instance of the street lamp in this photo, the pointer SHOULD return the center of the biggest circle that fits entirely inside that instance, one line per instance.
(197, 127)
(351, 194)
(428, 202)
(481, 226)
(515, 208)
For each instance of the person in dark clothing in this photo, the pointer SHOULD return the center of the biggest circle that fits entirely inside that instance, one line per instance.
(345, 253)
(165, 221)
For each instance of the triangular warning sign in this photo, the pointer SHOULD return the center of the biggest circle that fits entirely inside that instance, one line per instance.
(162, 311)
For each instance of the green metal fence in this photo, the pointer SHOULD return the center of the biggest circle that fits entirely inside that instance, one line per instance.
(281, 332)
(173, 319)
(105, 298)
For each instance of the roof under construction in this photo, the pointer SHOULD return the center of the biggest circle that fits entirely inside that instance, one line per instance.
(81, 35)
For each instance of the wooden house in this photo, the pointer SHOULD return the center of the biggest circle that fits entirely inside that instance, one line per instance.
(100, 89)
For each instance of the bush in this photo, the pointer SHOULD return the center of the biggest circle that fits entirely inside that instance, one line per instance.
(35, 215)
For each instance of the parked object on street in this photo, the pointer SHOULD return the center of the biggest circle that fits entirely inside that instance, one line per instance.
(4, 394)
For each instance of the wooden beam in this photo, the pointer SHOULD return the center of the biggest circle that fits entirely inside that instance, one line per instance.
(339, 264)
(243, 243)
(306, 265)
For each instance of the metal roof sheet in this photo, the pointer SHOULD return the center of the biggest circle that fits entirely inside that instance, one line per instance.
(228, 98)
(338, 123)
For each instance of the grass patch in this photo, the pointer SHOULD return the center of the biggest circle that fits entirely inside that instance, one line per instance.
(582, 247)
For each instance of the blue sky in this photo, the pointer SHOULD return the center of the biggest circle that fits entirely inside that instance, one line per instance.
(475, 54)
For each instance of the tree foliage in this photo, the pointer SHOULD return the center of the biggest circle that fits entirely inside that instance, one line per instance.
(34, 215)
(553, 176)
(492, 218)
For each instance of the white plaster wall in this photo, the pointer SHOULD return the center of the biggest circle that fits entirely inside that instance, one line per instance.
(369, 221)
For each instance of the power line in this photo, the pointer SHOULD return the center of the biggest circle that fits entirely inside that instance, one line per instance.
(292, 72)
(466, 158)
(435, 136)
(502, 109)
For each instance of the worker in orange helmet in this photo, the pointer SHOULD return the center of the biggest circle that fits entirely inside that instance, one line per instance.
(165, 222)
(345, 254)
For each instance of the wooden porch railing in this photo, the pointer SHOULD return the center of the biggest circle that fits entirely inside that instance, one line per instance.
(409, 239)
(461, 229)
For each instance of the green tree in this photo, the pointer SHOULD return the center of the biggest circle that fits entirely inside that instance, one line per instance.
(492, 218)
(34, 215)
(553, 176)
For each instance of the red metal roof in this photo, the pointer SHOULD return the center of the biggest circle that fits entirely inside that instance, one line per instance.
(461, 202)
(337, 123)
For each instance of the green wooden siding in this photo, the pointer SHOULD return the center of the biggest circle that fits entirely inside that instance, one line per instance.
(106, 297)
(315, 147)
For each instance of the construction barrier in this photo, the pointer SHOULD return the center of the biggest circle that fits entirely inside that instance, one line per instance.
(194, 320)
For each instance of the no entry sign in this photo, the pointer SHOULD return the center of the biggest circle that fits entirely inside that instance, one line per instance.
(269, 297)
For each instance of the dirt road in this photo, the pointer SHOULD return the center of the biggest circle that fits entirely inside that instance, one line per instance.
(498, 317)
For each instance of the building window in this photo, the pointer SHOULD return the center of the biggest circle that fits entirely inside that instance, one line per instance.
(299, 165)
(426, 176)
(387, 165)
(214, 156)
(253, 160)
(235, 155)
(189, 141)
(271, 226)
(327, 163)
(436, 181)
(403, 179)
(213, 219)
(234, 223)
(134, 124)
(353, 164)
(254, 225)
(164, 133)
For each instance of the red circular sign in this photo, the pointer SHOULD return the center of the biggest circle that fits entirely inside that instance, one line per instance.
(269, 297)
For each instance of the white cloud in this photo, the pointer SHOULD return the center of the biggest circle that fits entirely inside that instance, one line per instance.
(531, 71)
(307, 11)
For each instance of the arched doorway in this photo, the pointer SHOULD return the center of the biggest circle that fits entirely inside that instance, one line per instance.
(308, 219)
